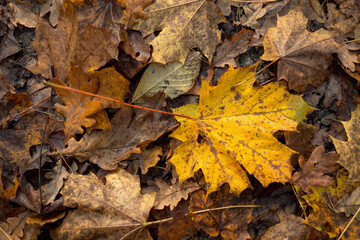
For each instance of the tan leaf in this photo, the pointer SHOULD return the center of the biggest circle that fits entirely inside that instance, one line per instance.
(184, 26)
(290, 227)
(104, 210)
(295, 48)
(350, 150)
(21, 13)
(312, 171)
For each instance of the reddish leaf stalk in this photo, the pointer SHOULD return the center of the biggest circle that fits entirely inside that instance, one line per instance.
(113, 100)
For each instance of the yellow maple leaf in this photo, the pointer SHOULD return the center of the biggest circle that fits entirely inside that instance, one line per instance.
(233, 132)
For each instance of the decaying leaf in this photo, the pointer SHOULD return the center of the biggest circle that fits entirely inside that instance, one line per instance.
(226, 52)
(108, 148)
(173, 79)
(51, 189)
(313, 170)
(17, 228)
(62, 46)
(82, 110)
(229, 223)
(295, 48)
(234, 129)
(300, 140)
(104, 210)
(11, 104)
(350, 150)
(171, 195)
(5, 196)
(324, 217)
(184, 26)
(350, 204)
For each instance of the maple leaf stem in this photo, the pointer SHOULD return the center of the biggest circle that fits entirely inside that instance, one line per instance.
(113, 100)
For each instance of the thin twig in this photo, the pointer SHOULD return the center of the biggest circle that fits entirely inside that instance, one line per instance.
(20, 113)
(114, 100)
(8, 237)
(253, 75)
(351, 220)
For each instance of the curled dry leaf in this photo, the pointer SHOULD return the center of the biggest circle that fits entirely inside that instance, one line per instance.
(82, 110)
(186, 25)
(229, 223)
(349, 151)
(173, 79)
(313, 170)
(111, 210)
(232, 130)
(108, 148)
(295, 48)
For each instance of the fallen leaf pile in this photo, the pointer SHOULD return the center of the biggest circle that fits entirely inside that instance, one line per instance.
(189, 119)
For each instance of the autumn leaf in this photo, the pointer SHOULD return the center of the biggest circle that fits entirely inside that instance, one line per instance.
(349, 150)
(85, 111)
(22, 14)
(234, 129)
(173, 79)
(313, 170)
(304, 57)
(147, 159)
(104, 210)
(62, 46)
(108, 148)
(170, 195)
(229, 223)
(186, 25)
(326, 219)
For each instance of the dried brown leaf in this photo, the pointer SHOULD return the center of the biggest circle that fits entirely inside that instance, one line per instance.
(312, 171)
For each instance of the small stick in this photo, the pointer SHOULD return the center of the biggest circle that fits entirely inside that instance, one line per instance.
(113, 100)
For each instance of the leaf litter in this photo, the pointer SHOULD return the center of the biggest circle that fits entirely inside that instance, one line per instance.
(75, 166)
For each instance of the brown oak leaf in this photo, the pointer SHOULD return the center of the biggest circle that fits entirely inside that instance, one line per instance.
(82, 110)
(312, 171)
